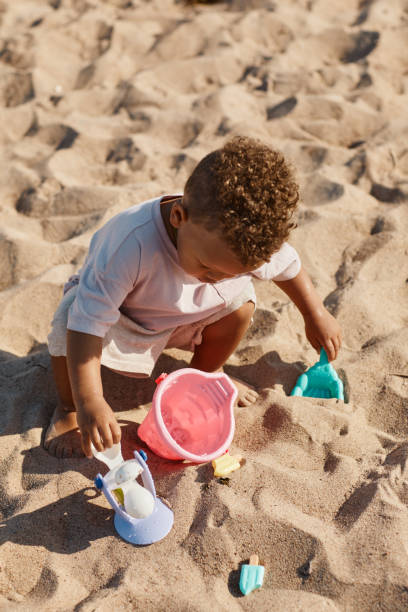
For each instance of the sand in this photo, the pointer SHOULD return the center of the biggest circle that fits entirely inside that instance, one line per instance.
(105, 104)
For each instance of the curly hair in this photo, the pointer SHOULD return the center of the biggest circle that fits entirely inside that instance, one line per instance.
(247, 193)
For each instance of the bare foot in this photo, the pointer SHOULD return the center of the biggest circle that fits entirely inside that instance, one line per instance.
(246, 394)
(62, 438)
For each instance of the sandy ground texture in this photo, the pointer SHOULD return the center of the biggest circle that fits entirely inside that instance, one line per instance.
(104, 104)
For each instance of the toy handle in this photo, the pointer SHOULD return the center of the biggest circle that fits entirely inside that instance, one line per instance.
(323, 357)
(227, 384)
(112, 457)
(146, 476)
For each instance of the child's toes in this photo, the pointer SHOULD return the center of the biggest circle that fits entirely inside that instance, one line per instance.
(246, 394)
(247, 397)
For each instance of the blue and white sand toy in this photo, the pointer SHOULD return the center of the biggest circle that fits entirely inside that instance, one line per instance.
(140, 516)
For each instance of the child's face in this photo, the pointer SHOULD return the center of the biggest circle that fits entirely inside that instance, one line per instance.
(202, 253)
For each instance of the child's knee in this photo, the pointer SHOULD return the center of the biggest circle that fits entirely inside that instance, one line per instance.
(239, 320)
(245, 313)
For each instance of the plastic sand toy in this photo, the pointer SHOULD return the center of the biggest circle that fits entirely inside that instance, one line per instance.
(226, 464)
(321, 380)
(191, 416)
(140, 516)
(252, 575)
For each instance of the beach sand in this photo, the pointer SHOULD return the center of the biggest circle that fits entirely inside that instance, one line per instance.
(105, 104)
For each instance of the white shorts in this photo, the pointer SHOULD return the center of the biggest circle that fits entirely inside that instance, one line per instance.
(130, 348)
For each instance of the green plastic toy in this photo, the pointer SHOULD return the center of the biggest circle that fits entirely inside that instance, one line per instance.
(252, 575)
(321, 380)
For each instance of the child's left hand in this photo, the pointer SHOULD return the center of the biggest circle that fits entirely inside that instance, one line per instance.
(322, 330)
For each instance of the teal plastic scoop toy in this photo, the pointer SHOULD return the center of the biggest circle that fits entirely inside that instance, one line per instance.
(321, 380)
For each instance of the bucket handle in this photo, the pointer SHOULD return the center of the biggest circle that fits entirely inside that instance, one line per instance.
(226, 383)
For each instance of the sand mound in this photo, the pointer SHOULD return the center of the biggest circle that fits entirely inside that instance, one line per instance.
(103, 105)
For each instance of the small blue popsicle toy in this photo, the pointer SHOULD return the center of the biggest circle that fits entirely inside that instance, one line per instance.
(321, 380)
(252, 575)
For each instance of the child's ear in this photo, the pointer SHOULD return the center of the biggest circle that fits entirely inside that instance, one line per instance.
(178, 214)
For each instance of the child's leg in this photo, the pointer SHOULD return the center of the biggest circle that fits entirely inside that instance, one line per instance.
(62, 436)
(219, 340)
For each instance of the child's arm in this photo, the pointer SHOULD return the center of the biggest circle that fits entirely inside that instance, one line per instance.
(322, 329)
(95, 417)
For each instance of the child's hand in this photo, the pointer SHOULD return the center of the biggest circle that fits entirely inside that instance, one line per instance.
(98, 425)
(322, 330)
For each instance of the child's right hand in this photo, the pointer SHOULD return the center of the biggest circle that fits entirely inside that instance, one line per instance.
(98, 425)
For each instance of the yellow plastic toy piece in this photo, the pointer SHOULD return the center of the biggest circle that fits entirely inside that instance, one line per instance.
(226, 464)
(119, 496)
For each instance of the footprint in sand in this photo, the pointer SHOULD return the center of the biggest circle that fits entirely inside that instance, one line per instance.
(15, 88)
(361, 45)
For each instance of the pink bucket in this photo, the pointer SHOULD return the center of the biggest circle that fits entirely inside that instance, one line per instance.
(191, 416)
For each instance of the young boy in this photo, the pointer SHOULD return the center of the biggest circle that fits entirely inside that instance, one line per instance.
(176, 271)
